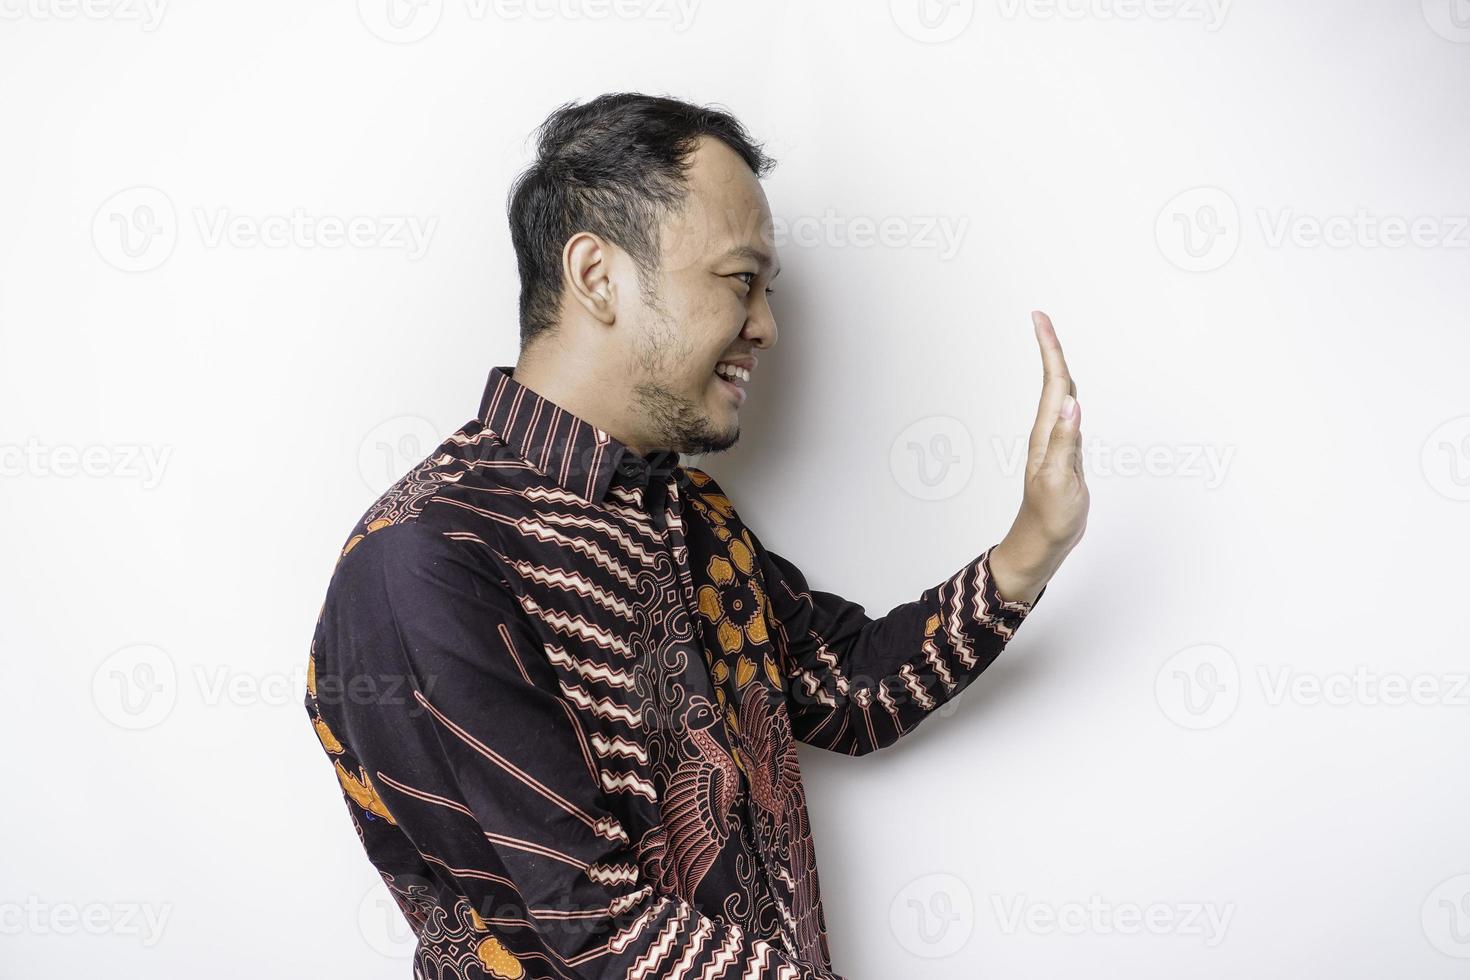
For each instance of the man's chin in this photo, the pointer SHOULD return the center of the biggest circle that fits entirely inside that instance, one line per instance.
(712, 441)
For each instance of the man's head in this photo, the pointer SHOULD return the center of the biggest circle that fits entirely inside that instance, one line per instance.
(644, 244)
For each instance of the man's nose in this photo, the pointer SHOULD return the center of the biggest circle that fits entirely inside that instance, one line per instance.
(760, 329)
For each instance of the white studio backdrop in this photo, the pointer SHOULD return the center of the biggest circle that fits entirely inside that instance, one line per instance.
(254, 263)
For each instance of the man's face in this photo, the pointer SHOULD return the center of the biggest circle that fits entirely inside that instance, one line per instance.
(710, 306)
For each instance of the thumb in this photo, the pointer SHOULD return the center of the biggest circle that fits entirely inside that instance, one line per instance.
(1064, 447)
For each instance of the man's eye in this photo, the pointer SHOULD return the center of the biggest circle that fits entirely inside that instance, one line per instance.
(749, 282)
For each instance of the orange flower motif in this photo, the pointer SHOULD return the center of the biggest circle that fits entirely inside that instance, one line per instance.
(734, 605)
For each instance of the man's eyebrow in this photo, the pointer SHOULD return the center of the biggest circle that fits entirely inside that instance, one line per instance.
(751, 252)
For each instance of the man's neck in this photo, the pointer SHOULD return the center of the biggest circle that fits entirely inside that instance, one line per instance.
(578, 387)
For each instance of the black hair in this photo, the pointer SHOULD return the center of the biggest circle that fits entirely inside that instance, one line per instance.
(614, 166)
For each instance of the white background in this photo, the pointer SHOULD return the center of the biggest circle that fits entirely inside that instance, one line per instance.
(1243, 696)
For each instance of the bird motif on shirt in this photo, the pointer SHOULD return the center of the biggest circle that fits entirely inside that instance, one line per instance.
(697, 802)
(771, 765)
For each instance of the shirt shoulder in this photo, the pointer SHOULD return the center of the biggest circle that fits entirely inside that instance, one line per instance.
(413, 558)
(473, 458)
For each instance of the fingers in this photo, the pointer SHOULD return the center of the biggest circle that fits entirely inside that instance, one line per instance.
(1056, 383)
(1053, 361)
(1064, 444)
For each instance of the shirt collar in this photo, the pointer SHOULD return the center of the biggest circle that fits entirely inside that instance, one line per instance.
(578, 455)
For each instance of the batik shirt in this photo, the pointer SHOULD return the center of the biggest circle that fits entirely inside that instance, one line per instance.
(561, 682)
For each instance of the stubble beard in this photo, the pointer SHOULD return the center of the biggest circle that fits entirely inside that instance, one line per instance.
(677, 422)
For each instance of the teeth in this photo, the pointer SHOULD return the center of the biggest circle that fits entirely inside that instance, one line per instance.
(733, 372)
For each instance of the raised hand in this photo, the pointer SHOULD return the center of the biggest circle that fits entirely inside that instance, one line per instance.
(1054, 502)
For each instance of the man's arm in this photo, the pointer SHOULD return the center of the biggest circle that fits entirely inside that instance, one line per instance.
(857, 684)
(469, 748)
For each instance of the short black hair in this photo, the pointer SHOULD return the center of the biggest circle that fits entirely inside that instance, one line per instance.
(614, 166)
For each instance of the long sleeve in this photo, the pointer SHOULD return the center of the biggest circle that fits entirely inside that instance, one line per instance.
(856, 684)
(459, 739)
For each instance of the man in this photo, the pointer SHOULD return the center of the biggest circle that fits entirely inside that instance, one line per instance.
(558, 677)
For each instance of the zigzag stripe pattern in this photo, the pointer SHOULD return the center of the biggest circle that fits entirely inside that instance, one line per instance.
(724, 957)
(627, 782)
(601, 707)
(600, 673)
(613, 874)
(571, 581)
(539, 531)
(630, 547)
(656, 952)
(577, 627)
(617, 745)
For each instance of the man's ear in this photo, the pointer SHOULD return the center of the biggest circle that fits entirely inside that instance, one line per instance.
(587, 275)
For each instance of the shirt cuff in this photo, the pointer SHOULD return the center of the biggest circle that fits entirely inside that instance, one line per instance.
(993, 611)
